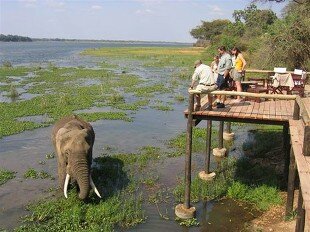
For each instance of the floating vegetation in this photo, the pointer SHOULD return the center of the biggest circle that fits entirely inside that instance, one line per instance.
(162, 107)
(6, 175)
(33, 174)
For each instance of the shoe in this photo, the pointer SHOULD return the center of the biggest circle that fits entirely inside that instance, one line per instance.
(197, 107)
(208, 107)
(220, 105)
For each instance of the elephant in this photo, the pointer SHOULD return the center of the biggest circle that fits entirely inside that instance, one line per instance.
(73, 140)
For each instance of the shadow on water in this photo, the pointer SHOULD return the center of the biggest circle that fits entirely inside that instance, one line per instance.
(109, 176)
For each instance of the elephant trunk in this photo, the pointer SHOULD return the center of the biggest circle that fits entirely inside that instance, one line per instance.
(81, 173)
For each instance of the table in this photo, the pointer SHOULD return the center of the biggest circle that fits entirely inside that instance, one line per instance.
(281, 82)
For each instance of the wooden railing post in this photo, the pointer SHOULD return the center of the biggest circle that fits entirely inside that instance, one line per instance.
(188, 158)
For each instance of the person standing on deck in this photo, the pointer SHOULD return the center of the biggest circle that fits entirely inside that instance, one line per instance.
(204, 77)
(224, 66)
(238, 70)
(214, 66)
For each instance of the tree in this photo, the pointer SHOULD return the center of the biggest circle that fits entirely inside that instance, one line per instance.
(208, 30)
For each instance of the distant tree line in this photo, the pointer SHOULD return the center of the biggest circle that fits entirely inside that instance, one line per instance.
(268, 41)
(14, 38)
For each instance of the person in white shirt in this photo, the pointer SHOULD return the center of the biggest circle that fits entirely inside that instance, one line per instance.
(203, 81)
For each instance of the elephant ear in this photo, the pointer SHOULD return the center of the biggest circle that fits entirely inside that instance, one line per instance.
(87, 135)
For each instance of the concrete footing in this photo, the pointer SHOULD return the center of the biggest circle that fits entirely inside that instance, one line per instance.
(219, 152)
(206, 176)
(183, 213)
(228, 136)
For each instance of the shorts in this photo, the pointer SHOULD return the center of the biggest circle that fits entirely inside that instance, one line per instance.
(237, 76)
(206, 88)
(221, 82)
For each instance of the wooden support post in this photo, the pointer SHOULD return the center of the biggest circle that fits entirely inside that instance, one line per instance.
(300, 220)
(221, 130)
(306, 146)
(286, 150)
(208, 146)
(296, 111)
(291, 184)
(188, 158)
(228, 127)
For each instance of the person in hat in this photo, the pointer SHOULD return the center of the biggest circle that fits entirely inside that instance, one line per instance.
(203, 81)
(224, 67)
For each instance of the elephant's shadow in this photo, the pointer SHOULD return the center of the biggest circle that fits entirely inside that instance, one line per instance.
(109, 176)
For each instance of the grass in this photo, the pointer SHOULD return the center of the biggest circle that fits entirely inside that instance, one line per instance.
(34, 174)
(5, 176)
(152, 56)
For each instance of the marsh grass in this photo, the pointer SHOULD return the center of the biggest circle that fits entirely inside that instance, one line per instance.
(151, 56)
(13, 93)
(5, 176)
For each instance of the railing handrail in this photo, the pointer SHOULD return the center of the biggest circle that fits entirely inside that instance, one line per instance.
(245, 94)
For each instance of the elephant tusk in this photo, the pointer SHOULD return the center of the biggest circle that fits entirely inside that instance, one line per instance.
(94, 187)
(66, 185)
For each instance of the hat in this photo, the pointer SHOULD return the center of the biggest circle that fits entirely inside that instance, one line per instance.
(197, 62)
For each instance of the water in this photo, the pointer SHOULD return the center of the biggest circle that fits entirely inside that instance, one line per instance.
(149, 127)
(61, 53)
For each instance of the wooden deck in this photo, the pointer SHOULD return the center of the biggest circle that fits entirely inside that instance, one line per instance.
(293, 115)
(277, 112)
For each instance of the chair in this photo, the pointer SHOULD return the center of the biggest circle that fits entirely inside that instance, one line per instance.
(259, 87)
(299, 84)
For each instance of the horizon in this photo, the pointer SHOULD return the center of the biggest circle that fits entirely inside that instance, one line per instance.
(131, 20)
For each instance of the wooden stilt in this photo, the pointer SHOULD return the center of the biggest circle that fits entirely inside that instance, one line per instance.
(300, 221)
(286, 149)
(228, 127)
(221, 129)
(291, 184)
(188, 157)
(208, 146)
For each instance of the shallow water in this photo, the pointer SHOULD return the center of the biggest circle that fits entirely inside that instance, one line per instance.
(149, 127)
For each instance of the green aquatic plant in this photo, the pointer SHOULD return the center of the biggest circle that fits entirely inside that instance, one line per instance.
(6, 175)
(188, 222)
(34, 174)
(162, 107)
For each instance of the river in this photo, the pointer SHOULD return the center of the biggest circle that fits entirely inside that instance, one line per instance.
(149, 127)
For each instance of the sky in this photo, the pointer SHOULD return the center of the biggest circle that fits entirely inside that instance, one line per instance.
(143, 20)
